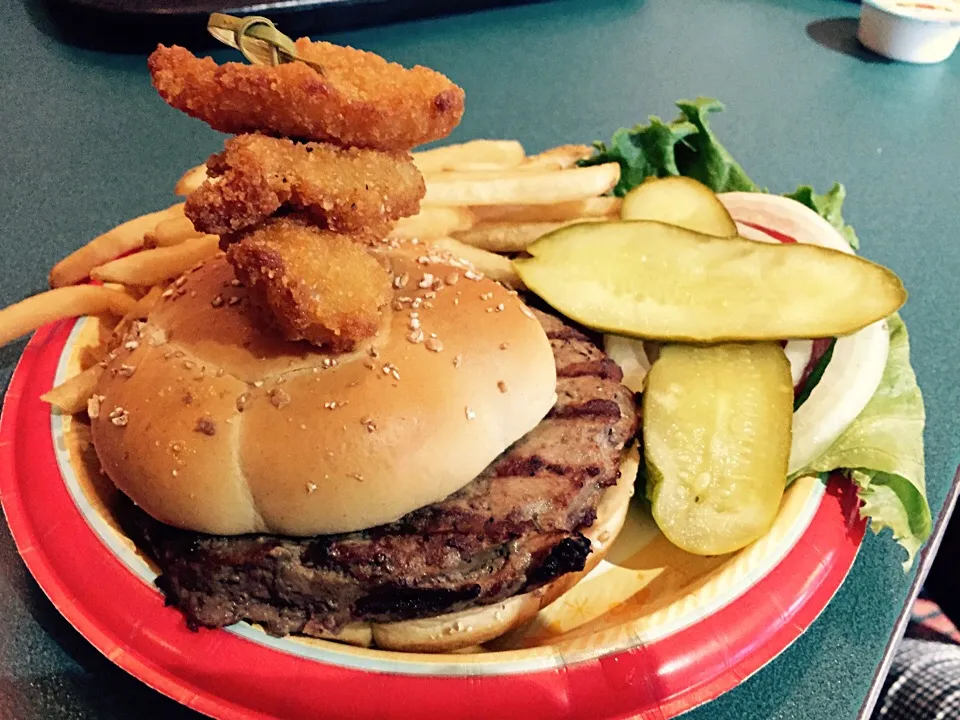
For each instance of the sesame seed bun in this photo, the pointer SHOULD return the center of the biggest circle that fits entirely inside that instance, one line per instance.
(455, 631)
(210, 422)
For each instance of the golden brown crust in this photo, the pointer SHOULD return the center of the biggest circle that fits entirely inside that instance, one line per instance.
(361, 99)
(314, 285)
(305, 442)
(344, 190)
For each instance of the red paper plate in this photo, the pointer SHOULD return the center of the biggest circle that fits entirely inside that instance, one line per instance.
(652, 634)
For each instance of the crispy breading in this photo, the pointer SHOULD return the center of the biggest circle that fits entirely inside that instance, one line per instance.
(359, 100)
(316, 285)
(343, 190)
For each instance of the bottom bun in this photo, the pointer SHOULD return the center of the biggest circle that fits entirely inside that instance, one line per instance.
(455, 631)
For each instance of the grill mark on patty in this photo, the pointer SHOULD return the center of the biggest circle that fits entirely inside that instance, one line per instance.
(512, 529)
(591, 395)
(555, 327)
(591, 408)
(569, 553)
(606, 369)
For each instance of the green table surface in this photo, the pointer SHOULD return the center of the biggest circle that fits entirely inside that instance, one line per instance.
(86, 143)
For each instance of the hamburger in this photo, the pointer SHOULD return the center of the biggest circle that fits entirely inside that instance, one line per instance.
(393, 495)
(326, 431)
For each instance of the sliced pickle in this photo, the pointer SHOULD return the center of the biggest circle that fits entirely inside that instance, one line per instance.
(679, 201)
(716, 433)
(650, 280)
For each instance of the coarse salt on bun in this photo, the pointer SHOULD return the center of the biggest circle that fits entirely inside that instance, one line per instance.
(211, 423)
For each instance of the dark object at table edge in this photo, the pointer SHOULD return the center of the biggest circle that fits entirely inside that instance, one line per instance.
(927, 556)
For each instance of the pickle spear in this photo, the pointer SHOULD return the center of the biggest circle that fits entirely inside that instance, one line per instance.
(650, 280)
(716, 432)
(679, 201)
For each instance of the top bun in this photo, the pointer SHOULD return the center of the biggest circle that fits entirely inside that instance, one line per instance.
(213, 423)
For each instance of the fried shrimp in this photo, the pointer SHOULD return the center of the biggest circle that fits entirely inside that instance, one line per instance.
(359, 100)
(298, 206)
(343, 190)
(315, 285)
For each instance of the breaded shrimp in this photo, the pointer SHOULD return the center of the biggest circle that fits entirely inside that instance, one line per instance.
(343, 190)
(359, 100)
(314, 284)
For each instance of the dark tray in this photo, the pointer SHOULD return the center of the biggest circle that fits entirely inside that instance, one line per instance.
(136, 25)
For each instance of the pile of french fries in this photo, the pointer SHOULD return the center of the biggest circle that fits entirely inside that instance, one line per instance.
(486, 201)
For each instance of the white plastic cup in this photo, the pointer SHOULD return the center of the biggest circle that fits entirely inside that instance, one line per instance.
(916, 32)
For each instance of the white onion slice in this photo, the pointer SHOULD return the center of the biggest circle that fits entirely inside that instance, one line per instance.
(849, 381)
(785, 216)
(631, 356)
(798, 352)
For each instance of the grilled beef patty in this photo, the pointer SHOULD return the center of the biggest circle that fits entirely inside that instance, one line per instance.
(511, 530)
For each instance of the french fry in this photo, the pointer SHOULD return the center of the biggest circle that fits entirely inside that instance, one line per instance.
(490, 264)
(433, 221)
(473, 155)
(521, 187)
(122, 239)
(71, 396)
(171, 231)
(605, 207)
(475, 174)
(151, 267)
(191, 180)
(512, 237)
(46, 307)
(559, 158)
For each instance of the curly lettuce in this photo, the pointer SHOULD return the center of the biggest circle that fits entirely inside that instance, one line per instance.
(686, 146)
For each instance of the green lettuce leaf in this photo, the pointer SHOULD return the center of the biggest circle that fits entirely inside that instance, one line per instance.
(883, 449)
(828, 206)
(642, 152)
(702, 157)
(686, 146)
